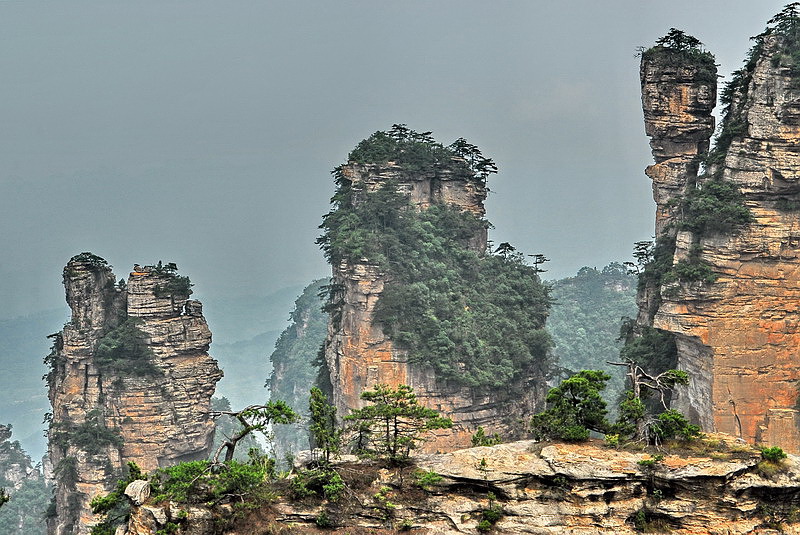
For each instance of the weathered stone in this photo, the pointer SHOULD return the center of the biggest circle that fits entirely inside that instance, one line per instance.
(738, 337)
(359, 355)
(677, 105)
(161, 418)
(564, 488)
(138, 491)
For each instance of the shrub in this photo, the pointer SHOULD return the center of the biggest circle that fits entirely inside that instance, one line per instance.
(773, 454)
(672, 424)
(481, 439)
(124, 350)
(204, 482)
(574, 408)
(425, 480)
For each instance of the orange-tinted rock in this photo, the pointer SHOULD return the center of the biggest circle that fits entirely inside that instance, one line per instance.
(739, 337)
(162, 418)
(360, 356)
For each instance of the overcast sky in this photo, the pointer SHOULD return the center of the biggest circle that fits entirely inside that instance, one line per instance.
(204, 132)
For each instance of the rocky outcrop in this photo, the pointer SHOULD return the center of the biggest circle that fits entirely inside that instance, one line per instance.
(677, 99)
(717, 488)
(146, 400)
(738, 336)
(360, 355)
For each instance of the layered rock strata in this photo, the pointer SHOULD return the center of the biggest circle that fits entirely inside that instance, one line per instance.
(538, 488)
(358, 353)
(738, 336)
(105, 415)
(678, 100)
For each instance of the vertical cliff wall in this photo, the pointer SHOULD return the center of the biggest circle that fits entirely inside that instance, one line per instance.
(737, 331)
(359, 352)
(130, 380)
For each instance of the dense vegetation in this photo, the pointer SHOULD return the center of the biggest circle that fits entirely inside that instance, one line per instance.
(91, 435)
(476, 318)
(294, 367)
(585, 320)
(24, 505)
(176, 285)
(680, 48)
(125, 351)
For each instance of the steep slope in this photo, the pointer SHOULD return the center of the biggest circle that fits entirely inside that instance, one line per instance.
(416, 299)
(130, 380)
(295, 365)
(24, 514)
(585, 321)
(726, 284)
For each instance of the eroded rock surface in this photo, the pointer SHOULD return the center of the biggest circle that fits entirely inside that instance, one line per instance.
(738, 337)
(359, 355)
(104, 416)
(544, 489)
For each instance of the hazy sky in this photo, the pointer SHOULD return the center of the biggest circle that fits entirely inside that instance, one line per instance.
(204, 132)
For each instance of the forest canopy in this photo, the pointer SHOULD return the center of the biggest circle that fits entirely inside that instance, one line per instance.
(476, 316)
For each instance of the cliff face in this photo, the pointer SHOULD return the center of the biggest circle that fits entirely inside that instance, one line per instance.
(737, 336)
(150, 406)
(293, 369)
(538, 488)
(360, 355)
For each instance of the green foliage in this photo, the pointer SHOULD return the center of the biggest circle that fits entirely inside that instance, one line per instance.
(254, 418)
(91, 436)
(651, 348)
(691, 270)
(4, 497)
(394, 423)
(114, 506)
(774, 454)
(680, 49)
(650, 463)
(477, 319)
(226, 426)
(124, 351)
(786, 24)
(318, 482)
(24, 513)
(89, 258)
(176, 285)
(584, 321)
(325, 431)
(631, 411)
(294, 363)
(323, 521)
(481, 439)
(204, 482)
(574, 408)
(426, 479)
(714, 206)
(672, 424)
(418, 152)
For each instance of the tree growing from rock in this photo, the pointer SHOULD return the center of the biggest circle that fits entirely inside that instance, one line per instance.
(253, 418)
(394, 423)
(326, 434)
(636, 422)
(574, 408)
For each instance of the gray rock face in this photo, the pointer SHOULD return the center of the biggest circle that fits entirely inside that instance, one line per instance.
(152, 419)
(138, 491)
